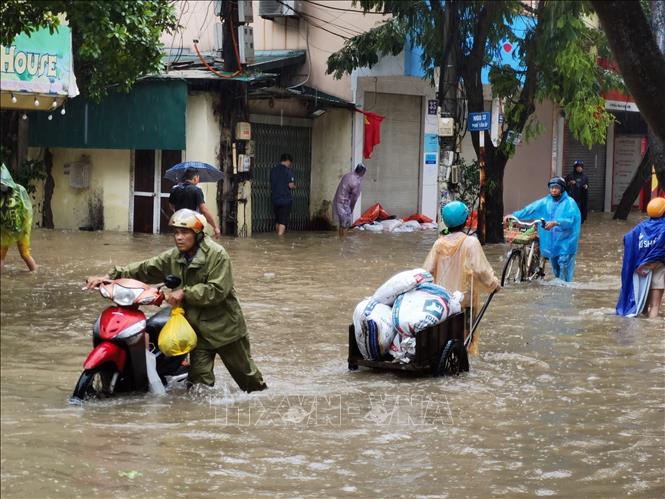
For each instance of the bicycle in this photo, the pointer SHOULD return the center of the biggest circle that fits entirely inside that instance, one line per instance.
(524, 263)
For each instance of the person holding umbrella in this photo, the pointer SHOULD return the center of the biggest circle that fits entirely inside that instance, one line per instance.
(187, 195)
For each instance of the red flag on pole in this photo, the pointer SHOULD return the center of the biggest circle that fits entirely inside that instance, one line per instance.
(372, 132)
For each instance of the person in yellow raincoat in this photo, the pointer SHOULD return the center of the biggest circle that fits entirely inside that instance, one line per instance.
(15, 219)
(457, 262)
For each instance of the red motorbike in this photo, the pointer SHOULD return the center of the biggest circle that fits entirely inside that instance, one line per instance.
(120, 337)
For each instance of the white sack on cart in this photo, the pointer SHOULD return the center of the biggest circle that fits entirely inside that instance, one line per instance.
(374, 329)
(399, 284)
(403, 349)
(425, 306)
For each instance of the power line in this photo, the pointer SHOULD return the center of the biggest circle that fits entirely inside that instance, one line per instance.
(344, 10)
(313, 24)
(350, 31)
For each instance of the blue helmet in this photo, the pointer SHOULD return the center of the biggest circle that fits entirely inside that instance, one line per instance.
(559, 182)
(454, 213)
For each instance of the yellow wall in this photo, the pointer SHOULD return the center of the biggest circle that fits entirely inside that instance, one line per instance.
(110, 174)
(203, 139)
(107, 194)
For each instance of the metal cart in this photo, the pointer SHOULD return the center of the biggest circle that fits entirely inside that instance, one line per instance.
(440, 351)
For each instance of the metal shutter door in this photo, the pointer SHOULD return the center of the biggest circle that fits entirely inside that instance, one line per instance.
(392, 177)
(271, 141)
(594, 167)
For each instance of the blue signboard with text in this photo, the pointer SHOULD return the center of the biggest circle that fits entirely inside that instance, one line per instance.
(479, 122)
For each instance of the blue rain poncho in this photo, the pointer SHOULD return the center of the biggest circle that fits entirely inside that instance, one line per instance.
(644, 244)
(562, 239)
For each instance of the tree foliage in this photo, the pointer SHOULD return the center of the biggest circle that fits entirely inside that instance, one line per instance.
(555, 58)
(114, 42)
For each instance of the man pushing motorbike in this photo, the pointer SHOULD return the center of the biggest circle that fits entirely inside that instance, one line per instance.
(208, 297)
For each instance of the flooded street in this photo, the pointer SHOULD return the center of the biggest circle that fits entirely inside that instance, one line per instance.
(566, 399)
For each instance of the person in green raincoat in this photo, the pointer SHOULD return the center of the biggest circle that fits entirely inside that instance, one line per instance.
(15, 219)
(208, 297)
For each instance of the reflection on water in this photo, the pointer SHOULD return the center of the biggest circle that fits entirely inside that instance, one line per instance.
(566, 399)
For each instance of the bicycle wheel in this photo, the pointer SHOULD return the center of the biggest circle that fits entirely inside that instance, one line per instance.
(512, 270)
(536, 267)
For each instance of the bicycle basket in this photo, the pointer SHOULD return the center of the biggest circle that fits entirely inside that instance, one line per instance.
(515, 235)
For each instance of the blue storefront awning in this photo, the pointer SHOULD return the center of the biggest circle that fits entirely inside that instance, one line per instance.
(151, 116)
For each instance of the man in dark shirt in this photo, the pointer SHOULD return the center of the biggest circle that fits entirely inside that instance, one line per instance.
(281, 185)
(577, 185)
(187, 194)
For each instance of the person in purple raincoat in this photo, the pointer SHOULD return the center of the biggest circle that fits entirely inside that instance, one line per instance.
(348, 192)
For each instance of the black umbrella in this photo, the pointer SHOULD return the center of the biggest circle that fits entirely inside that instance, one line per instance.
(206, 172)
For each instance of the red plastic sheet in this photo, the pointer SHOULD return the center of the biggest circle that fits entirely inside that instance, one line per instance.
(420, 218)
(372, 214)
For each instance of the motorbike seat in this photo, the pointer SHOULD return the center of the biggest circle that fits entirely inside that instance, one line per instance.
(155, 323)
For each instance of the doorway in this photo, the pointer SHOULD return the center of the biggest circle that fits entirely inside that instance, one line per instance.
(150, 190)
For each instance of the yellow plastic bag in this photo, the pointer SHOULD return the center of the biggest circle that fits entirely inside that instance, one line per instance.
(177, 337)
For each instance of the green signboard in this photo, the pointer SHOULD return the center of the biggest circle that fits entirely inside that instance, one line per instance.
(39, 63)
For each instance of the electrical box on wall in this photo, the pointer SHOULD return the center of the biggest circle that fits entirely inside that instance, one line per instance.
(246, 44)
(79, 174)
(243, 131)
(446, 127)
(245, 14)
(244, 163)
(218, 41)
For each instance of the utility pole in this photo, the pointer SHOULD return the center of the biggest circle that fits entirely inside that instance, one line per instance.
(447, 96)
(233, 196)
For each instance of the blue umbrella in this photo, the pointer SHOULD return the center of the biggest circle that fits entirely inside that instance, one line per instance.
(206, 172)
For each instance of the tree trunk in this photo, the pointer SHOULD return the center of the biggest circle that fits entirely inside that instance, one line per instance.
(49, 185)
(658, 26)
(633, 190)
(496, 167)
(634, 47)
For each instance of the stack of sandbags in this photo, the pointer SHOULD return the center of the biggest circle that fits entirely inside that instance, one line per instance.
(404, 305)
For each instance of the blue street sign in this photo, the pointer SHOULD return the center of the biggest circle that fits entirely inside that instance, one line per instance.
(479, 122)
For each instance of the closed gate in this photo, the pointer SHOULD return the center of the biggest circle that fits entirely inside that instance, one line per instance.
(594, 167)
(271, 141)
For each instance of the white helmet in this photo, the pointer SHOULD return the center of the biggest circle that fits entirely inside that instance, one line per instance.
(188, 219)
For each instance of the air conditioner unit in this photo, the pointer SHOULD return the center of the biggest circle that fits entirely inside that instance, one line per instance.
(269, 9)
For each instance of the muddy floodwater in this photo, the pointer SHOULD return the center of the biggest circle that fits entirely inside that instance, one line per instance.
(566, 399)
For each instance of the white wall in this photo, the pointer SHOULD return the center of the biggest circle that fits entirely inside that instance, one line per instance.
(198, 19)
(386, 77)
(332, 157)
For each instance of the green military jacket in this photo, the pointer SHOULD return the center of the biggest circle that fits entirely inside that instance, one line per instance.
(211, 305)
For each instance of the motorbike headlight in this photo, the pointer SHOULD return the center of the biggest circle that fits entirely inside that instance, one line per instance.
(124, 296)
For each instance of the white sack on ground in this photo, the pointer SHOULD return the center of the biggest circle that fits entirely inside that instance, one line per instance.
(374, 227)
(391, 225)
(399, 284)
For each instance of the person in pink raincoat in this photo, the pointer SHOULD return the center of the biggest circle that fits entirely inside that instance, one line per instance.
(348, 192)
